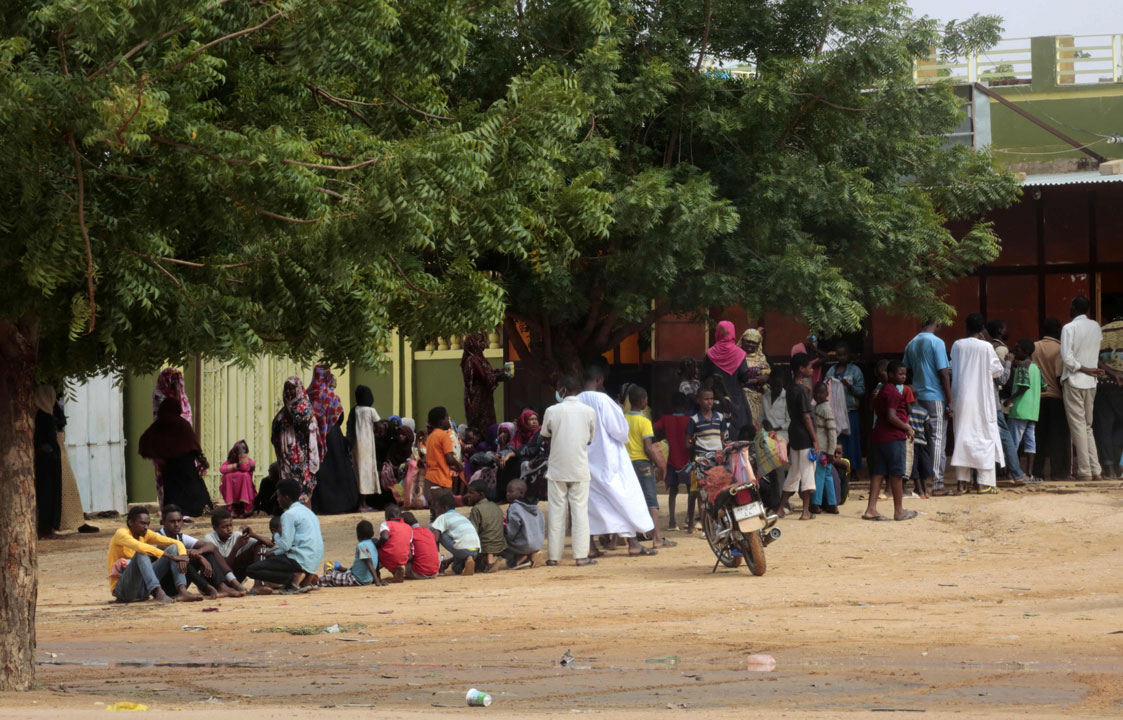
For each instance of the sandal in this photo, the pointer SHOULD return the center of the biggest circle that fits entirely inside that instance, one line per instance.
(909, 515)
(876, 518)
(643, 552)
(551, 563)
(987, 490)
(585, 563)
(594, 553)
(667, 543)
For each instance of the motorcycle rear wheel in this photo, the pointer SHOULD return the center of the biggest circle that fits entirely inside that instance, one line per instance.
(721, 549)
(753, 549)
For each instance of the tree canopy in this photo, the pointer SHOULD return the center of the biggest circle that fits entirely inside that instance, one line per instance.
(220, 177)
(772, 154)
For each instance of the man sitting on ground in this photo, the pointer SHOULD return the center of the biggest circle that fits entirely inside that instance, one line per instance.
(238, 548)
(138, 558)
(206, 568)
(299, 546)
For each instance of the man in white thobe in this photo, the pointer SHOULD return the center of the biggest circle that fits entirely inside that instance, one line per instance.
(571, 427)
(616, 502)
(974, 366)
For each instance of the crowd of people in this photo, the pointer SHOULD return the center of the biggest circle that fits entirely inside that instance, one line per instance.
(598, 460)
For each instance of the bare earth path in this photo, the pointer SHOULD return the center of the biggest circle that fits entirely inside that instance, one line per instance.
(982, 606)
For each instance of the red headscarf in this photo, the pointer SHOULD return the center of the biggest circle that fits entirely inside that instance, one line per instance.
(524, 433)
(725, 353)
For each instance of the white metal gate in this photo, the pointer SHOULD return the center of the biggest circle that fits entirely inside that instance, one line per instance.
(95, 432)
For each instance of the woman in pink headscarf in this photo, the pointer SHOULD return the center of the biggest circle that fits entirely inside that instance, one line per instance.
(724, 369)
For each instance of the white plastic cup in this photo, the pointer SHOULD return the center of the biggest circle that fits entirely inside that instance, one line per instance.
(477, 698)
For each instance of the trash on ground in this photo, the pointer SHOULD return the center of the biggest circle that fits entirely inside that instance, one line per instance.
(212, 609)
(193, 628)
(478, 698)
(126, 706)
(761, 663)
(332, 629)
(670, 660)
(566, 659)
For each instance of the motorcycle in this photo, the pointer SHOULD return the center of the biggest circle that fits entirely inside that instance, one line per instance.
(735, 521)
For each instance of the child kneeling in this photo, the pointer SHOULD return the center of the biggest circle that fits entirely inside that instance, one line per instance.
(364, 571)
(455, 533)
(525, 528)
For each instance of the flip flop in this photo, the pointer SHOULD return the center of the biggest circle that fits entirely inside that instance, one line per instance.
(666, 544)
(644, 552)
(585, 563)
(594, 553)
(551, 563)
(876, 518)
(909, 515)
(987, 490)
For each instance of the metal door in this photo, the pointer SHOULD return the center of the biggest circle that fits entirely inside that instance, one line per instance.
(95, 432)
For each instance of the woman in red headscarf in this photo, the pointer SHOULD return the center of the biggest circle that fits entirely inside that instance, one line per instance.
(724, 368)
(525, 430)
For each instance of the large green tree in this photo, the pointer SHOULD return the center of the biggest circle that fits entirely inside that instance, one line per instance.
(772, 154)
(229, 178)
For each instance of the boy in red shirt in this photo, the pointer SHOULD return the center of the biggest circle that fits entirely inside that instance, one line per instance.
(425, 564)
(673, 428)
(890, 430)
(394, 543)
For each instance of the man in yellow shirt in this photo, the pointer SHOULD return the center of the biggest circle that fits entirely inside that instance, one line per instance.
(641, 449)
(138, 558)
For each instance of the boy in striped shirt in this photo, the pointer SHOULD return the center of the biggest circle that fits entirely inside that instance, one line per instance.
(706, 432)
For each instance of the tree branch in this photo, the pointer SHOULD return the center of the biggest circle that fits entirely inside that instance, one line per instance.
(658, 311)
(409, 282)
(356, 166)
(137, 48)
(82, 224)
(188, 263)
(417, 110)
(139, 102)
(298, 221)
(828, 102)
(94, 165)
(511, 332)
(340, 104)
(245, 31)
(591, 318)
(239, 161)
(705, 36)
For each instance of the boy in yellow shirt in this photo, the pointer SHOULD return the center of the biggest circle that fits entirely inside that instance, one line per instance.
(138, 558)
(641, 450)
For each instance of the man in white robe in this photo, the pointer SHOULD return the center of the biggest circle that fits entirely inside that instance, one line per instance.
(616, 502)
(978, 446)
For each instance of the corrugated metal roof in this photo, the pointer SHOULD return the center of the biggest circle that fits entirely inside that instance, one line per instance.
(1073, 178)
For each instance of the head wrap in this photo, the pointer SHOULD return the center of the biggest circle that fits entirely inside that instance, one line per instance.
(725, 353)
(44, 398)
(169, 436)
(523, 433)
(170, 385)
(325, 403)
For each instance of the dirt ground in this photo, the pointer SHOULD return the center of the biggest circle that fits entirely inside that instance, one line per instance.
(982, 606)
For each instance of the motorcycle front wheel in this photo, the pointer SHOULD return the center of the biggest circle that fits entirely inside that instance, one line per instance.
(722, 549)
(753, 549)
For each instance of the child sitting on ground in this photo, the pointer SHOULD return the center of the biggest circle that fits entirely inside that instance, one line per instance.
(454, 533)
(425, 560)
(395, 539)
(525, 530)
(487, 518)
(827, 431)
(364, 570)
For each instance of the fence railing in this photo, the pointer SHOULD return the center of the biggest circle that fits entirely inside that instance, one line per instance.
(1078, 59)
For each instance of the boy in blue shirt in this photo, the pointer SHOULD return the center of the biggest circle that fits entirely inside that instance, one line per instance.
(454, 533)
(364, 570)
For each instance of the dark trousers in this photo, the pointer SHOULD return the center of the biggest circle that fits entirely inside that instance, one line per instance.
(1052, 439)
(1107, 426)
(195, 575)
(277, 569)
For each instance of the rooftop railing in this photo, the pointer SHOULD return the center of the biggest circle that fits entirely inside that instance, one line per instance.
(1059, 60)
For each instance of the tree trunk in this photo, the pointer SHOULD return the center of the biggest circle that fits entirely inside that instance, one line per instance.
(18, 567)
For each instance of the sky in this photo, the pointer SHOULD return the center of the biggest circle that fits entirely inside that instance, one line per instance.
(1026, 18)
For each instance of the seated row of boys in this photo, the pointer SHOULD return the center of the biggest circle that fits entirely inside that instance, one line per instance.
(163, 564)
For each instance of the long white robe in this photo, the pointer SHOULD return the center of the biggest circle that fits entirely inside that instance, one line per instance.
(366, 459)
(974, 366)
(616, 502)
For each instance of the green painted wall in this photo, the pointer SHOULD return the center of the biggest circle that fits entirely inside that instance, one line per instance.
(140, 476)
(439, 382)
(381, 384)
(1084, 119)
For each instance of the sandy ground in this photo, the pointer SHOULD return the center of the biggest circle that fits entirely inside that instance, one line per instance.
(983, 606)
